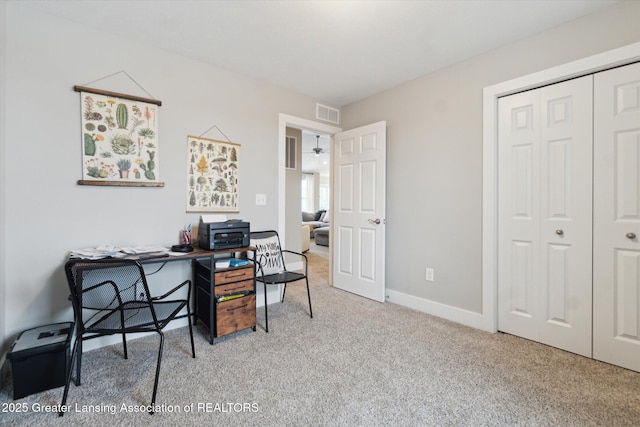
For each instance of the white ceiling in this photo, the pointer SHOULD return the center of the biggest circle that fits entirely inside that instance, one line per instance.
(337, 52)
(334, 51)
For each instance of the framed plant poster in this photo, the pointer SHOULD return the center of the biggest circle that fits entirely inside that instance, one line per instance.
(212, 175)
(119, 139)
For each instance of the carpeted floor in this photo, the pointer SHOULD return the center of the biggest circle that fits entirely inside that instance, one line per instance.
(356, 363)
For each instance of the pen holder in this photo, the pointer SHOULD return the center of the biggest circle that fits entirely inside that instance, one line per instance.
(185, 237)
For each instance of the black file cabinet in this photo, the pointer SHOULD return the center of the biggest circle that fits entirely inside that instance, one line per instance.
(225, 297)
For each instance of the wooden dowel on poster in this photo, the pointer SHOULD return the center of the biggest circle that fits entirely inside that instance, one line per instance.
(214, 140)
(120, 184)
(116, 95)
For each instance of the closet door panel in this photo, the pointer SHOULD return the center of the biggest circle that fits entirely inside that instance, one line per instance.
(544, 275)
(519, 219)
(626, 152)
(616, 284)
(566, 144)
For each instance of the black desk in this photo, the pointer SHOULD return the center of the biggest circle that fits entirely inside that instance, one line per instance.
(202, 257)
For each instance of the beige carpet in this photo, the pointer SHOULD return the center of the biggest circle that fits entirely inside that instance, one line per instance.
(356, 363)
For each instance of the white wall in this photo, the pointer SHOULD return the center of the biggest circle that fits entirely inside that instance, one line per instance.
(434, 154)
(45, 213)
(434, 159)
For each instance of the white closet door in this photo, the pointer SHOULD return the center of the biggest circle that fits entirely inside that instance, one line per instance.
(519, 219)
(566, 215)
(616, 286)
(545, 149)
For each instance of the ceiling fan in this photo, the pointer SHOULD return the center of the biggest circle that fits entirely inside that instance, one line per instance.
(317, 150)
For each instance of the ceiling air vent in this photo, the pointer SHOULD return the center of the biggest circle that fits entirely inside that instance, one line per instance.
(327, 114)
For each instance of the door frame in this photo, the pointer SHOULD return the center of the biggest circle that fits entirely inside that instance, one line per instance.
(284, 121)
(610, 59)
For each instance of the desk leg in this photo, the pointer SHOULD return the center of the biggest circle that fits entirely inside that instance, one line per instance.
(194, 291)
(78, 361)
(212, 299)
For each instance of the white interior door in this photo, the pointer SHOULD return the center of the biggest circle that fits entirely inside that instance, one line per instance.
(519, 219)
(545, 164)
(358, 224)
(616, 285)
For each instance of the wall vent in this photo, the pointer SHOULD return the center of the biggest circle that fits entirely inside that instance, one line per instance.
(290, 161)
(327, 114)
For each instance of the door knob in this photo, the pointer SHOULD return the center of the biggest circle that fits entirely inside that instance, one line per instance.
(631, 236)
(375, 221)
(560, 232)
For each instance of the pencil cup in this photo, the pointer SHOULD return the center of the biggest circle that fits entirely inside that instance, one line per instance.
(186, 237)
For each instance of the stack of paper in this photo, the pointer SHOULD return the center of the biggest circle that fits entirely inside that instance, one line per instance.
(107, 251)
(137, 250)
(104, 251)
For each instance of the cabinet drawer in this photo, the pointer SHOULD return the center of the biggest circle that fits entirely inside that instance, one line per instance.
(246, 285)
(235, 315)
(234, 275)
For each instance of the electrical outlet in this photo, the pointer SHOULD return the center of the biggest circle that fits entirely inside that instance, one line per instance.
(429, 274)
(261, 199)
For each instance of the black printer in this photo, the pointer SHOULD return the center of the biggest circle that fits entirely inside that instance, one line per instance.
(229, 234)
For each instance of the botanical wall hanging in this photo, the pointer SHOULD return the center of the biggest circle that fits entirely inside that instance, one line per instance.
(119, 139)
(212, 175)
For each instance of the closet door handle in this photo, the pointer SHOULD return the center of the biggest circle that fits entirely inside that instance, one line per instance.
(560, 232)
(631, 236)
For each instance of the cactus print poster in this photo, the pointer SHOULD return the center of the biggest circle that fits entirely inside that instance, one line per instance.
(212, 175)
(119, 141)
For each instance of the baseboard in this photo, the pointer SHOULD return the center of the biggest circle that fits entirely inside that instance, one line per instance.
(458, 315)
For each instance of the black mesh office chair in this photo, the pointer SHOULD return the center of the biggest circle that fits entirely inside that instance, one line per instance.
(112, 297)
(271, 268)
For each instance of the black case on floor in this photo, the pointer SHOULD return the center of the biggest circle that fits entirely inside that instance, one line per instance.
(39, 359)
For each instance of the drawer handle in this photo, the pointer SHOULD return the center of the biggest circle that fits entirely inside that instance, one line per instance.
(238, 288)
(236, 274)
(631, 236)
(235, 308)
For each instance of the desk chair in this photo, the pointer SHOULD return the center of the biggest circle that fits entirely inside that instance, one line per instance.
(271, 268)
(112, 297)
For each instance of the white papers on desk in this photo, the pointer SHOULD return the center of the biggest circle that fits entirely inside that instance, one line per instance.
(137, 250)
(107, 251)
(104, 251)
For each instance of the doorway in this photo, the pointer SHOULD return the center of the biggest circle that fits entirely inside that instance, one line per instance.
(289, 219)
(315, 188)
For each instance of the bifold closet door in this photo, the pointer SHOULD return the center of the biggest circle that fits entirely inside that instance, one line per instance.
(545, 223)
(616, 269)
